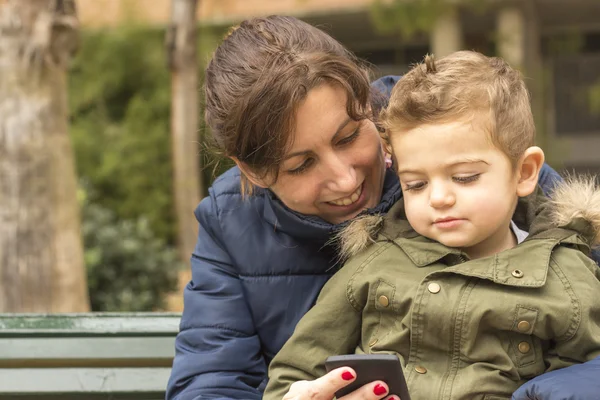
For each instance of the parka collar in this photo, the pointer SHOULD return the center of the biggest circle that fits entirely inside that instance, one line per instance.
(508, 267)
(311, 227)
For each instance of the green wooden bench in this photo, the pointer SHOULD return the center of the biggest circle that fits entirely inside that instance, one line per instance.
(86, 356)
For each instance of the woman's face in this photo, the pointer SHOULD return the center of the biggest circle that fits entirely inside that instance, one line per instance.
(335, 167)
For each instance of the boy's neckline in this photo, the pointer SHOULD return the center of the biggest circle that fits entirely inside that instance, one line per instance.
(520, 235)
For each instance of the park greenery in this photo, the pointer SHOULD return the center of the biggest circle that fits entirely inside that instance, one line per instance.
(119, 93)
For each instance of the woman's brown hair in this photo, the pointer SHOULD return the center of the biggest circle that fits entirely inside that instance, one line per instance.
(258, 77)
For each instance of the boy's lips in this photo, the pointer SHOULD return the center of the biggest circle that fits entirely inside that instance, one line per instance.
(448, 222)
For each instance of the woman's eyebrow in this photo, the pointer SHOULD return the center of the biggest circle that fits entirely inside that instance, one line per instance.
(337, 132)
(341, 127)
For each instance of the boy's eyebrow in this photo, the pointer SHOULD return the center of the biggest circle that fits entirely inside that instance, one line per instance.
(337, 132)
(465, 161)
(450, 164)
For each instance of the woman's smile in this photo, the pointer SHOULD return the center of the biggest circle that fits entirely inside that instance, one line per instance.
(348, 200)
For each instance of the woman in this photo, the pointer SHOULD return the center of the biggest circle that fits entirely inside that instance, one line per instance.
(293, 109)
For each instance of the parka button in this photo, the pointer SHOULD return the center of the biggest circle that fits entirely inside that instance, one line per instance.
(421, 370)
(523, 326)
(517, 273)
(434, 287)
(524, 347)
(384, 301)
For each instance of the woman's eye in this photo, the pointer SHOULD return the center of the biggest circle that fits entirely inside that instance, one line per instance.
(303, 167)
(415, 186)
(466, 179)
(350, 138)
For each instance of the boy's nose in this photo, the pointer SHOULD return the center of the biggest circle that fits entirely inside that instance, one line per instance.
(441, 197)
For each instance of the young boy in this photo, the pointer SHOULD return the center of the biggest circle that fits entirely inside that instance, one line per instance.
(474, 280)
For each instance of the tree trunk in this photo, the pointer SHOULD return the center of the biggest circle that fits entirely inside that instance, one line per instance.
(182, 60)
(41, 251)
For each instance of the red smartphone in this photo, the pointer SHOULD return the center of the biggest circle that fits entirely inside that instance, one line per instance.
(369, 368)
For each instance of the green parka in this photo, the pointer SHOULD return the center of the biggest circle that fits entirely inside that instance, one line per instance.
(463, 329)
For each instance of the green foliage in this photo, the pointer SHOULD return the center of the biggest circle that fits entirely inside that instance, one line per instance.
(128, 267)
(408, 17)
(119, 95)
(120, 102)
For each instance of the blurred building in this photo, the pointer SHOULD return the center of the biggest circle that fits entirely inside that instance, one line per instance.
(555, 42)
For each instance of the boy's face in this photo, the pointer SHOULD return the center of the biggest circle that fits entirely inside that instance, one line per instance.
(459, 189)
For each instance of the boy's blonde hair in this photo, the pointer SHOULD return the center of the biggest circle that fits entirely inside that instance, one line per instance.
(468, 86)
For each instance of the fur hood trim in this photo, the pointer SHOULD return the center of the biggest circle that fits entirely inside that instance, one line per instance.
(359, 234)
(578, 197)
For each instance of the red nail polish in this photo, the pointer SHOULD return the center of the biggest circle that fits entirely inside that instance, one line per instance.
(347, 376)
(379, 389)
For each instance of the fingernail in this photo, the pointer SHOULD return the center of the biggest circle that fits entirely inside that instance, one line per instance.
(379, 389)
(347, 376)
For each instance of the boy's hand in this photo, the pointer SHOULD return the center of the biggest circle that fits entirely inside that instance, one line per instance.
(325, 387)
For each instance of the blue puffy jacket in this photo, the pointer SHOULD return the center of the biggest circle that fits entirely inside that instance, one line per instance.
(256, 270)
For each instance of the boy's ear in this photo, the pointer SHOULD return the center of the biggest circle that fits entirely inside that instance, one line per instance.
(528, 170)
(249, 174)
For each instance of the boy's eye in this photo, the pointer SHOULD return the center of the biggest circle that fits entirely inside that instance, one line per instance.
(350, 138)
(466, 179)
(303, 167)
(415, 186)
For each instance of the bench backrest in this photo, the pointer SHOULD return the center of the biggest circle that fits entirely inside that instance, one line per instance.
(86, 356)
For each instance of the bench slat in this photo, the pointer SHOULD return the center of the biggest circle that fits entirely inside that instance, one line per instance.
(86, 356)
(70, 381)
(147, 324)
(28, 351)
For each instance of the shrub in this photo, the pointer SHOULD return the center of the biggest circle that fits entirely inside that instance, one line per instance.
(128, 267)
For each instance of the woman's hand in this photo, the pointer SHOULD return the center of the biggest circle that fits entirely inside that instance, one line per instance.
(325, 387)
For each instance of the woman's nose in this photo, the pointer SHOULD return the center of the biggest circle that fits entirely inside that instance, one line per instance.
(342, 177)
(441, 196)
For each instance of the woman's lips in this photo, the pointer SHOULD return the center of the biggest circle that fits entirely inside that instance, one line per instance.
(349, 200)
(358, 203)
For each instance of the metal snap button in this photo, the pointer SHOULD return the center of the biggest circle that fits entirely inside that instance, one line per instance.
(524, 347)
(434, 287)
(384, 301)
(523, 326)
(421, 370)
(517, 273)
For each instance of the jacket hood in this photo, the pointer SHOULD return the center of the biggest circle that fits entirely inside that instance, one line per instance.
(574, 204)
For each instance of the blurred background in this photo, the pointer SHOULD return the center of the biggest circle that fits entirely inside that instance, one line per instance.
(134, 129)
